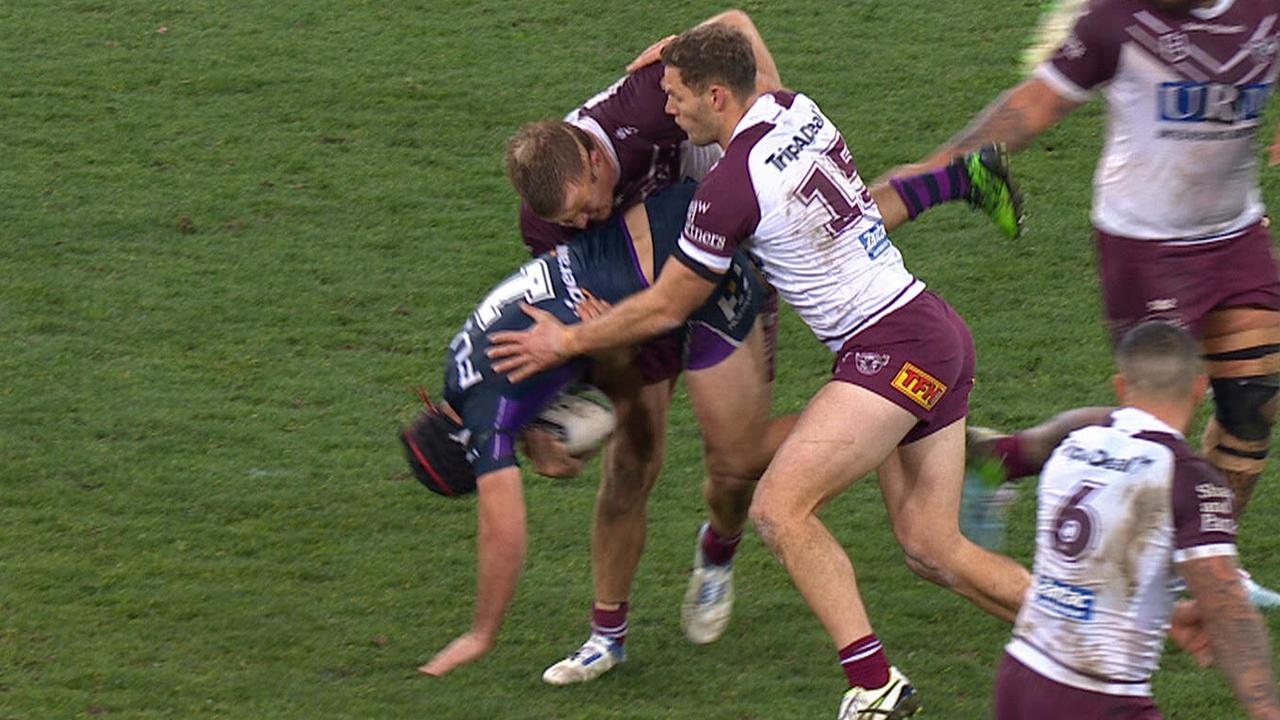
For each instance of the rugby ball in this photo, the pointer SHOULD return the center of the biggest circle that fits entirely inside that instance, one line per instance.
(581, 417)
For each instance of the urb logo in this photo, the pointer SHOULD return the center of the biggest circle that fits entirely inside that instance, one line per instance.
(1211, 102)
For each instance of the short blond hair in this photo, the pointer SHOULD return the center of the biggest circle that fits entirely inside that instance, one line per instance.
(542, 158)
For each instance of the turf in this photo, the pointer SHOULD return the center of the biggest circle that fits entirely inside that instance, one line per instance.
(236, 234)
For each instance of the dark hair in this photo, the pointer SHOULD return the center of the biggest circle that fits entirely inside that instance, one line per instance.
(713, 54)
(1158, 358)
(542, 158)
(436, 458)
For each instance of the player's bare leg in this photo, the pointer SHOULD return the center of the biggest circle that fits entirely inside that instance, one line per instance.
(825, 454)
(1239, 346)
(921, 484)
(731, 400)
(631, 465)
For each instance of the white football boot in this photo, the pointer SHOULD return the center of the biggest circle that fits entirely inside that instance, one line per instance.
(896, 700)
(596, 657)
(708, 602)
(1263, 598)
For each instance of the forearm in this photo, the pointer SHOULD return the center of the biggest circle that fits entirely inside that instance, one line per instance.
(1015, 119)
(1238, 637)
(644, 315)
(500, 550)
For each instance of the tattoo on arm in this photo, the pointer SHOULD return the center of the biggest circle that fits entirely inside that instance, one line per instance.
(1239, 639)
(1015, 119)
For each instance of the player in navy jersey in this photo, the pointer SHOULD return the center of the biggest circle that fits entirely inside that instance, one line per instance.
(1179, 223)
(1125, 506)
(604, 156)
(788, 192)
(468, 443)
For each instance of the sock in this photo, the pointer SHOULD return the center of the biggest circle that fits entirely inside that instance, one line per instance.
(923, 191)
(1009, 451)
(610, 623)
(864, 663)
(718, 550)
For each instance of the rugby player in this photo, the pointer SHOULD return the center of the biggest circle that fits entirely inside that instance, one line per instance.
(604, 156)
(1125, 505)
(467, 443)
(787, 190)
(1179, 224)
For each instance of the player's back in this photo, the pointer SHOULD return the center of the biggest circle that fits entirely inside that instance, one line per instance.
(815, 230)
(1185, 94)
(1118, 504)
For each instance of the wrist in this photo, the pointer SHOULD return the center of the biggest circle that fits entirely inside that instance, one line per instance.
(569, 345)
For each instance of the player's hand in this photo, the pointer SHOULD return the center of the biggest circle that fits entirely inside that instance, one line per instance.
(465, 648)
(651, 54)
(1189, 633)
(549, 456)
(523, 354)
(592, 307)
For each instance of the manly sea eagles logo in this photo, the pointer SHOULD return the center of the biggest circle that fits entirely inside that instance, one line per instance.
(870, 363)
(1174, 47)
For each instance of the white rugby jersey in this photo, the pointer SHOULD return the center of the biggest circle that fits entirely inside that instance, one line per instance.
(1184, 97)
(1119, 505)
(788, 191)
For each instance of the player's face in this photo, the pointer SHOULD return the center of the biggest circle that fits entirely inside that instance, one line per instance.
(691, 110)
(589, 199)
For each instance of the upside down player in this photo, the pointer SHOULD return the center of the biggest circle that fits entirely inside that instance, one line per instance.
(787, 190)
(467, 444)
(1178, 217)
(614, 150)
(1124, 507)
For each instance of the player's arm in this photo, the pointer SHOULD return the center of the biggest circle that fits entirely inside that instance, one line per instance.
(500, 550)
(1015, 118)
(658, 309)
(1237, 635)
(767, 77)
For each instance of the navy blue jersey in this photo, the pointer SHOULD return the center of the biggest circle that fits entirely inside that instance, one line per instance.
(603, 261)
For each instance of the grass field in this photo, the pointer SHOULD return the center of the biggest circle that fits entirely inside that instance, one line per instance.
(234, 234)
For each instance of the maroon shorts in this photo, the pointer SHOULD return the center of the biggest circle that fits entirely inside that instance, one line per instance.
(1024, 694)
(921, 357)
(1148, 280)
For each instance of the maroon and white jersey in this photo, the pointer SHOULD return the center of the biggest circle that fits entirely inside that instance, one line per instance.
(787, 190)
(644, 143)
(1119, 506)
(1184, 95)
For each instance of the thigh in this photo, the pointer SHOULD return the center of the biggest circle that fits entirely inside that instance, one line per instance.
(731, 400)
(843, 434)
(921, 483)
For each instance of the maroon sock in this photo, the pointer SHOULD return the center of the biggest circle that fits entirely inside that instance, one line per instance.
(610, 623)
(718, 550)
(864, 663)
(1009, 450)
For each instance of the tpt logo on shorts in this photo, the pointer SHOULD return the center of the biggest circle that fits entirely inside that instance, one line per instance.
(1064, 599)
(919, 386)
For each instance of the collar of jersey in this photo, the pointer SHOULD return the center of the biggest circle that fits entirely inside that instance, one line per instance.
(1133, 420)
(764, 109)
(589, 125)
(1210, 13)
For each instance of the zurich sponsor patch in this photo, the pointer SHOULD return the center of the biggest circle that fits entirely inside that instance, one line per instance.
(870, 363)
(875, 241)
(1064, 599)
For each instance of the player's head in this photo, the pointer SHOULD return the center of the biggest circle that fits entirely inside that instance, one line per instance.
(710, 72)
(1159, 363)
(436, 456)
(561, 173)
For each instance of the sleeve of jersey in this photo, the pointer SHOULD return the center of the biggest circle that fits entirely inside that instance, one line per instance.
(1086, 59)
(1203, 514)
(723, 214)
(539, 235)
(492, 450)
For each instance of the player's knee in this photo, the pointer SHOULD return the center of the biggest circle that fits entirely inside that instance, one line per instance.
(768, 517)
(1238, 437)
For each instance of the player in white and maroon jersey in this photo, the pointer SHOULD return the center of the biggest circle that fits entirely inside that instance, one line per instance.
(613, 151)
(1178, 219)
(1125, 509)
(1177, 212)
(788, 192)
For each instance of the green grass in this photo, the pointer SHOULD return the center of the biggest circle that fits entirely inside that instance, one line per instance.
(235, 234)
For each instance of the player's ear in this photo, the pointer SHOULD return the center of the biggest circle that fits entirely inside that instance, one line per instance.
(1117, 382)
(719, 97)
(1199, 388)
